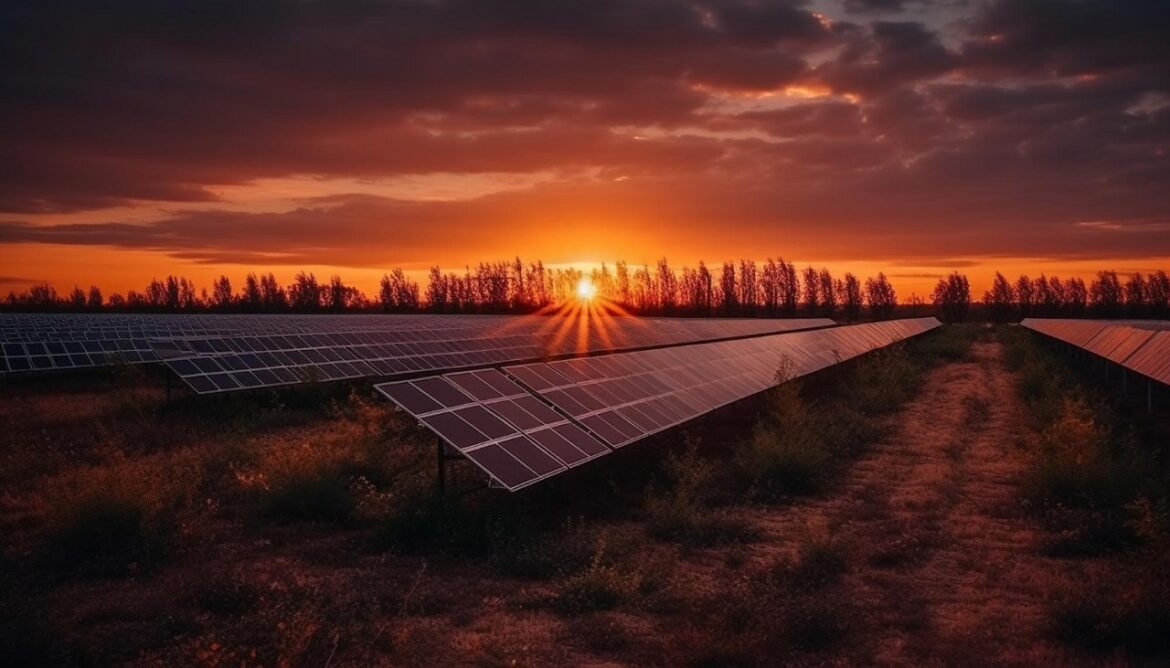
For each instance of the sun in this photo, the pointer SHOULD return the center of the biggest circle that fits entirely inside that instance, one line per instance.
(586, 290)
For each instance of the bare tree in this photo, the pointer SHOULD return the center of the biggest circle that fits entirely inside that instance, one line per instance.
(729, 294)
(1105, 294)
(94, 298)
(812, 290)
(881, 297)
(1000, 300)
(850, 294)
(222, 297)
(748, 286)
(828, 294)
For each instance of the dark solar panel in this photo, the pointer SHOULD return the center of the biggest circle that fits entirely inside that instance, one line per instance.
(625, 397)
(443, 343)
(529, 422)
(497, 424)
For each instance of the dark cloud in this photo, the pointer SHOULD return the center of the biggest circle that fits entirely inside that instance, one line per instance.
(863, 6)
(886, 55)
(1025, 119)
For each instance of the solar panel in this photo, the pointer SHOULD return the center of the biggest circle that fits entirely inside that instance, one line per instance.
(1153, 358)
(625, 397)
(510, 434)
(1139, 346)
(212, 365)
(572, 411)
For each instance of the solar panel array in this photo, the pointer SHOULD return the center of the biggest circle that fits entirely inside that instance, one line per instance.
(53, 341)
(1139, 346)
(210, 365)
(31, 342)
(613, 400)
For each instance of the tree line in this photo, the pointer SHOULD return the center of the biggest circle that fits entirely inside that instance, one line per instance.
(745, 288)
(772, 288)
(1108, 295)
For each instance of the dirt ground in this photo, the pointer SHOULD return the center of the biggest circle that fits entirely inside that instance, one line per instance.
(950, 571)
(942, 566)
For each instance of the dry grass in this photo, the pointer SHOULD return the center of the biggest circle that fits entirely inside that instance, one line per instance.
(302, 529)
(1098, 489)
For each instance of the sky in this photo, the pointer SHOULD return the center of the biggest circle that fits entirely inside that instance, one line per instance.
(146, 138)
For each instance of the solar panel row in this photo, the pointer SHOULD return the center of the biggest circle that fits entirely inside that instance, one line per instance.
(33, 342)
(43, 342)
(606, 402)
(1141, 347)
(243, 362)
(625, 397)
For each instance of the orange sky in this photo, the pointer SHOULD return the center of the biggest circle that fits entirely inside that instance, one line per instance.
(121, 270)
(862, 135)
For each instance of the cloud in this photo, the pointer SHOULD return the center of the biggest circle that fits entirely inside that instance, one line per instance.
(651, 122)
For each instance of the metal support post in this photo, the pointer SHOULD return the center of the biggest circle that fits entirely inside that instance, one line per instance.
(441, 460)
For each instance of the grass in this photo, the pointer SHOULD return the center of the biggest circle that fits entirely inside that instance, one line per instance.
(782, 613)
(680, 513)
(1131, 614)
(1095, 483)
(1087, 472)
(115, 520)
(602, 585)
(798, 445)
(222, 507)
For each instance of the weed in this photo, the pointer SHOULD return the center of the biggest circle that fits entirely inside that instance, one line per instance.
(1135, 619)
(310, 485)
(108, 520)
(600, 586)
(546, 556)
(680, 512)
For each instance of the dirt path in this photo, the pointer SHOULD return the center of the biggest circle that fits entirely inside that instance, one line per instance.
(947, 571)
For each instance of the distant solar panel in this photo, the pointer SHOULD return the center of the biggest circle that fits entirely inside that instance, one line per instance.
(1139, 346)
(210, 365)
(571, 410)
(31, 342)
(1152, 360)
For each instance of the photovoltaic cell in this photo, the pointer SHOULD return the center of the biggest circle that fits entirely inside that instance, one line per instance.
(497, 424)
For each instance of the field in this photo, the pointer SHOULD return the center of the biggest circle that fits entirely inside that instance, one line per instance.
(970, 497)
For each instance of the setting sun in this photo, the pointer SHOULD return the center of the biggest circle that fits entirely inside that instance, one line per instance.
(586, 290)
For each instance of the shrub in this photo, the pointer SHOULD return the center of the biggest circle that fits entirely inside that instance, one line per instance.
(107, 520)
(1085, 482)
(311, 493)
(882, 381)
(1135, 619)
(600, 586)
(545, 556)
(949, 343)
(680, 511)
(781, 611)
(308, 483)
(789, 459)
(670, 519)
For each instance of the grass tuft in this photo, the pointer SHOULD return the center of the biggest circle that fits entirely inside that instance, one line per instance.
(114, 520)
(600, 586)
(680, 513)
